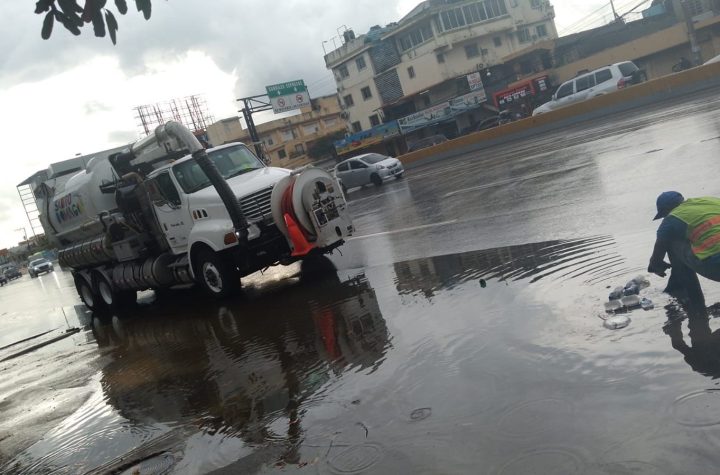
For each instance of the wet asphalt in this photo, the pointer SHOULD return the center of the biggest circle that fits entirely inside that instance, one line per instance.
(462, 332)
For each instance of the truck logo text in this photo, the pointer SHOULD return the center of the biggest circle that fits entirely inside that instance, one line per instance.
(66, 208)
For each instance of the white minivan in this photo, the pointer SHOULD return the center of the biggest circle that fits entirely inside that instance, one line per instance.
(592, 84)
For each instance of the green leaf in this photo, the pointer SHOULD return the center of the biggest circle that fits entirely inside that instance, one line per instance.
(98, 24)
(121, 6)
(47, 25)
(112, 26)
(145, 7)
(42, 6)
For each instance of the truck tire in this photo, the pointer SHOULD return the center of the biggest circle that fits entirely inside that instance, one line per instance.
(86, 293)
(110, 297)
(219, 278)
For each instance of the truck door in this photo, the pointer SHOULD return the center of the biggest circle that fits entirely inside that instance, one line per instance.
(171, 210)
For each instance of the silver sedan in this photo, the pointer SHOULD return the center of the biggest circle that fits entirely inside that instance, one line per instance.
(368, 168)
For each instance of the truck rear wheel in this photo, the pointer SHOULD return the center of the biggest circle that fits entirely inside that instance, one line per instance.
(86, 293)
(111, 297)
(219, 278)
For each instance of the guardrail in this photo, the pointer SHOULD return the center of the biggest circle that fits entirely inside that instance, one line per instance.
(639, 95)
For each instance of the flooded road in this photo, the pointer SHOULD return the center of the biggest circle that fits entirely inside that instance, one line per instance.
(462, 333)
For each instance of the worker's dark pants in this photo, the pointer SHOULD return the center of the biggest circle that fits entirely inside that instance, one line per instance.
(685, 269)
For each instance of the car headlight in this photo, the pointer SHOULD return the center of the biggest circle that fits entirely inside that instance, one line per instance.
(380, 167)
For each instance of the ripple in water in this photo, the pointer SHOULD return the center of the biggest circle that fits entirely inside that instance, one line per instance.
(697, 409)
(356, 458)
(546, 462)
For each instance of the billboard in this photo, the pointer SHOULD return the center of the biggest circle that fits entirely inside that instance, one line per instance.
(367, 137)
(443, 111)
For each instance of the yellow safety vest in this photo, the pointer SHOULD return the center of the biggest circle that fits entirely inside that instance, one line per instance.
(702, 215)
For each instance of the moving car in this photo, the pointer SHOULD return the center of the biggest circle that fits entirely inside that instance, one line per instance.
(39, 266)
(427, 142)
(592, 84)
(12, 273)
(367, 168)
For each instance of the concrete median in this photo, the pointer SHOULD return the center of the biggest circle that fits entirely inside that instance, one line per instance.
(649, 92)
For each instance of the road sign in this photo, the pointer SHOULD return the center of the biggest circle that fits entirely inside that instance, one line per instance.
(288, 96)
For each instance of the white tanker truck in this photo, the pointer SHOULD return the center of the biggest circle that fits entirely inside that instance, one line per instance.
(166, 213)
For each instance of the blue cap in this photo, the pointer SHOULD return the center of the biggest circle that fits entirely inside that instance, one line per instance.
(666, 202)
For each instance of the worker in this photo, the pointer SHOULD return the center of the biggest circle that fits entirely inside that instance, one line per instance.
(690, 235)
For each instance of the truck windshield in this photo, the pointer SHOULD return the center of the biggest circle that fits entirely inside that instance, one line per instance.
(231, 161)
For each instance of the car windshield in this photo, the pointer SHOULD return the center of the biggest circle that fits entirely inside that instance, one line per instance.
(231, 161)
(373, 158)
(37, 262)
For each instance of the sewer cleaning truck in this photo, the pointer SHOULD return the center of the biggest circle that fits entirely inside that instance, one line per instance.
(165, 213)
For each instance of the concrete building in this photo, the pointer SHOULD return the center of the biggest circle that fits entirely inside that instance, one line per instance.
(286, 141)
(655, 43)
(425, 58)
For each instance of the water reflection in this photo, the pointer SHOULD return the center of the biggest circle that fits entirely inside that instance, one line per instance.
(571, 258)
(245, 371)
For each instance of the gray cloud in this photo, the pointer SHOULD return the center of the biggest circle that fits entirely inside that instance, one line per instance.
(122, 136)
(264, 41)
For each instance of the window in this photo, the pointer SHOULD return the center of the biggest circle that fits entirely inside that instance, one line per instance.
(167, 190)
(310, 129)
(356, 165)
(472, 51)
(366, 93)
(584, 82)
(230, 162)
(541, 31)
(299, 148)
(282, 154)
(472, 13)
(343, 71)
(411, 72)
(452, 18)
(330, 122)
(565, 90)
(348, 100)
(497, 41)
(360, 63)
(356, 127)
(343, 167)
(415, 37)
(268, 140)
(374, 120)
(288, 134)
(523, 35)
(602, 76)
(440, 58)
(627, 69)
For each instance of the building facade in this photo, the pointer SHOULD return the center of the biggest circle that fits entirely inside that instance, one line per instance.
(287, 141)
(424, 59)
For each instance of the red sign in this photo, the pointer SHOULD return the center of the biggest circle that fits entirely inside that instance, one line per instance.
(521, 92)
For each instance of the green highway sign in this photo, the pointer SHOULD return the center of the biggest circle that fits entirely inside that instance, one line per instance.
(286, 88)
(288, 96)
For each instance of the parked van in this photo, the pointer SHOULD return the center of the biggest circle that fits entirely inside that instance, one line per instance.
(592, 84)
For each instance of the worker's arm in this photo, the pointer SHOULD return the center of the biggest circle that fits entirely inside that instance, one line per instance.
(657, 264)
(671, 229)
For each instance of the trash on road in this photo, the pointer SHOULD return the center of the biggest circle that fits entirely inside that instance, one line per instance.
(616, 322)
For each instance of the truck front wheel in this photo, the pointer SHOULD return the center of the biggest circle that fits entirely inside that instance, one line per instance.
(219, 278)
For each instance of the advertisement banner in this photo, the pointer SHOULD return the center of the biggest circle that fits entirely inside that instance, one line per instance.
(475, 81)
(367, 137)
(444, 111)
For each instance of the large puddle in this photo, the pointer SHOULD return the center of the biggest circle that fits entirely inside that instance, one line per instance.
(492, 361)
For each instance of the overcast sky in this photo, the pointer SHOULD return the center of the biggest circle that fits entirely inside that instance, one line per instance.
(73, 95)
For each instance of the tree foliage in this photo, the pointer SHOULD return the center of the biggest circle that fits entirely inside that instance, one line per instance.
(73, 17)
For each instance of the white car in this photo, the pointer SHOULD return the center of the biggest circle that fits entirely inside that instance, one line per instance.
(368, 168)
(39, 266)
(592, 84)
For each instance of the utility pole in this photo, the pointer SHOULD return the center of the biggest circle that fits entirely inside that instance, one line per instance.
(615, 15)
(694, 48)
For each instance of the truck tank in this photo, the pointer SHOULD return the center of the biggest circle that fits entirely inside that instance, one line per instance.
(70, 210)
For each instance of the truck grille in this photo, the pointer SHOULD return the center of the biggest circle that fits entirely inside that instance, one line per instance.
(256, 206)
